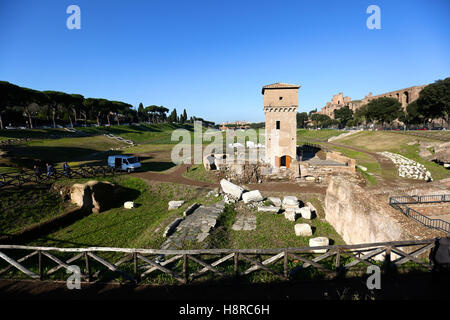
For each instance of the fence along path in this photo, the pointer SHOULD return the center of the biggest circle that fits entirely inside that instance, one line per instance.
(18, 179)
(401, 203)
(184, 266)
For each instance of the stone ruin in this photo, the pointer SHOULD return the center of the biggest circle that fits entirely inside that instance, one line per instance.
(239, 170)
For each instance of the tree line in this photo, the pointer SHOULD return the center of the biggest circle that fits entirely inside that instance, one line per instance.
(37, 108)
(433, 104)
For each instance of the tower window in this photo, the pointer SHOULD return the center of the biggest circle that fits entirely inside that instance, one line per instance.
(278, 125)
(281, 98)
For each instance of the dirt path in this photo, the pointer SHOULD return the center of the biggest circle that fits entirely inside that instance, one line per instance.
(175, 175)
(385, 164)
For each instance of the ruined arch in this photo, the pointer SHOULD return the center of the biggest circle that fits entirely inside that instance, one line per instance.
(405, 97)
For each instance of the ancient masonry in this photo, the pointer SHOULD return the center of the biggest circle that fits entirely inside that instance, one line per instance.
(404, 96)
(280, 108)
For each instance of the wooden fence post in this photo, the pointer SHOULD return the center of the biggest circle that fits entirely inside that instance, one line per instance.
(285, 264)
(41, 275)
(135, 267)
(88, 270)
(185, 268)
(236, 262)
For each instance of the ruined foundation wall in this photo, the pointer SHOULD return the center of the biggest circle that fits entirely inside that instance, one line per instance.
(351, 163)
(358, 216)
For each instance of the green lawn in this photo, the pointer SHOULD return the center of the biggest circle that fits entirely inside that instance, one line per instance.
(144, 133)
(305, 135)
(22, 207)
(198, 173)
(141, 227)
(274, 230)
(73, 150)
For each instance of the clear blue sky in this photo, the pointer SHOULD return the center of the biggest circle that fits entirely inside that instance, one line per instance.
(212, 57)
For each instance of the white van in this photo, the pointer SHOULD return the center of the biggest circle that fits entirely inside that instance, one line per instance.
(124, 163)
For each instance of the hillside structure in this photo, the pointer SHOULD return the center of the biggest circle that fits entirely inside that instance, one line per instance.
(404, 96)
(280, 108)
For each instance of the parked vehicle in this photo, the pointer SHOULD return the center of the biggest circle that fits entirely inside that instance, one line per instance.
(124, 163)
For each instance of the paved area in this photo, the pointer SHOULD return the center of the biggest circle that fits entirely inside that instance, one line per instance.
(245, 222)
(195, 227)
(319, 162)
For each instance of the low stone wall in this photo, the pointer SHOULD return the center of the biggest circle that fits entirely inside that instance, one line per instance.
(335, 156)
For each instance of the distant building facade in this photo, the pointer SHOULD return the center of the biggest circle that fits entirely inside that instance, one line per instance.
(404, 96)
(280, 109)
(234, 125)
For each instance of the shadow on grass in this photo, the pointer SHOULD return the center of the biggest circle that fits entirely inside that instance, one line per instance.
(408, 286)
(157, 166)
(32, 154)
(39, 230)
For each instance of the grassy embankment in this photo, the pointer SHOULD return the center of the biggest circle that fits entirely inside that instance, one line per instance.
(374, 141)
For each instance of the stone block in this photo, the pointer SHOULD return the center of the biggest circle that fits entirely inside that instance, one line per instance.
(231, 189)
(306, 213)
(252, 196)
(319, 242)
(271, 209)
(290, 215)
(303, 230)
(290, 201)
(275, 201)
(175, 204)
(128, 205)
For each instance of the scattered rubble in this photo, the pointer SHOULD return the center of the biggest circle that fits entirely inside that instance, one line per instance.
(408, 168)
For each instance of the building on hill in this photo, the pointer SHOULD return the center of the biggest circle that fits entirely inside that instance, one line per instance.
(404, 96)
(280, 108)
(234, 125)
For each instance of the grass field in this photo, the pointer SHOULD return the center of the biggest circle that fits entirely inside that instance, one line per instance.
(20, 208)
(141, 227)
(198, 173)
(305, 135)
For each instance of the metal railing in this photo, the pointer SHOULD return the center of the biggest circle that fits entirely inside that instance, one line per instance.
(401, 202)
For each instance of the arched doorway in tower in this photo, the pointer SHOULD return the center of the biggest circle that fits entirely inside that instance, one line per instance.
(285, 161)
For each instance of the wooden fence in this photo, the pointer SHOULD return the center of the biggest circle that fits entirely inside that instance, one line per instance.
(18, 179)
(184, 266)
(401, 203)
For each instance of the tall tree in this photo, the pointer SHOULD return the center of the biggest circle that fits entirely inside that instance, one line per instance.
(384, 110)
(302, 118)
(9, 94)
(140, 111)
(434, 100)
(184, 117)
(173, 116)
(343, 114)
(57, 101)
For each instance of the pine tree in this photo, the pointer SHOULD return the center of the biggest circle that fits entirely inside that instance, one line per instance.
(140, 111)
(184, 118)
(173, 116)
